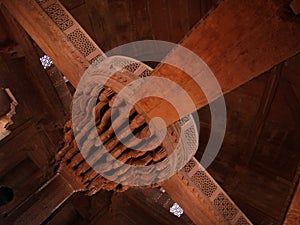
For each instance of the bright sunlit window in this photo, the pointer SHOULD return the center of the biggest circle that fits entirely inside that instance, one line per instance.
(46, 61)
(176, 210)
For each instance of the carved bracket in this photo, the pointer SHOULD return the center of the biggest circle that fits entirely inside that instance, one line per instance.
(6, 120)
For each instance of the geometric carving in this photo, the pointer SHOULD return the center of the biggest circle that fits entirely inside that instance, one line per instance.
(96, 59)
(203, 182)
(242, 221)
(132, 67)
(59, 16)
(190, 142)
(225, 207)
(125, 63)
(81, 42)
(41, 1)
(145, 73)
(189, 166)
(184, 120)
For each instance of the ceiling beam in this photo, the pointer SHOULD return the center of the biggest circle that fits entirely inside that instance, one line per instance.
(238, 41)
(201, 198)
(258, 124)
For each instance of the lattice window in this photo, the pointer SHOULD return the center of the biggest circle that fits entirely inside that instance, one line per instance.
(176, 210)
(132, 67)
(225, 207)
(242, 221)
(97, 59)
(122, 62)
(189, 166)
(204, 183)
(145, 73)
(46, 61)
(59, 16)
(81, 42)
